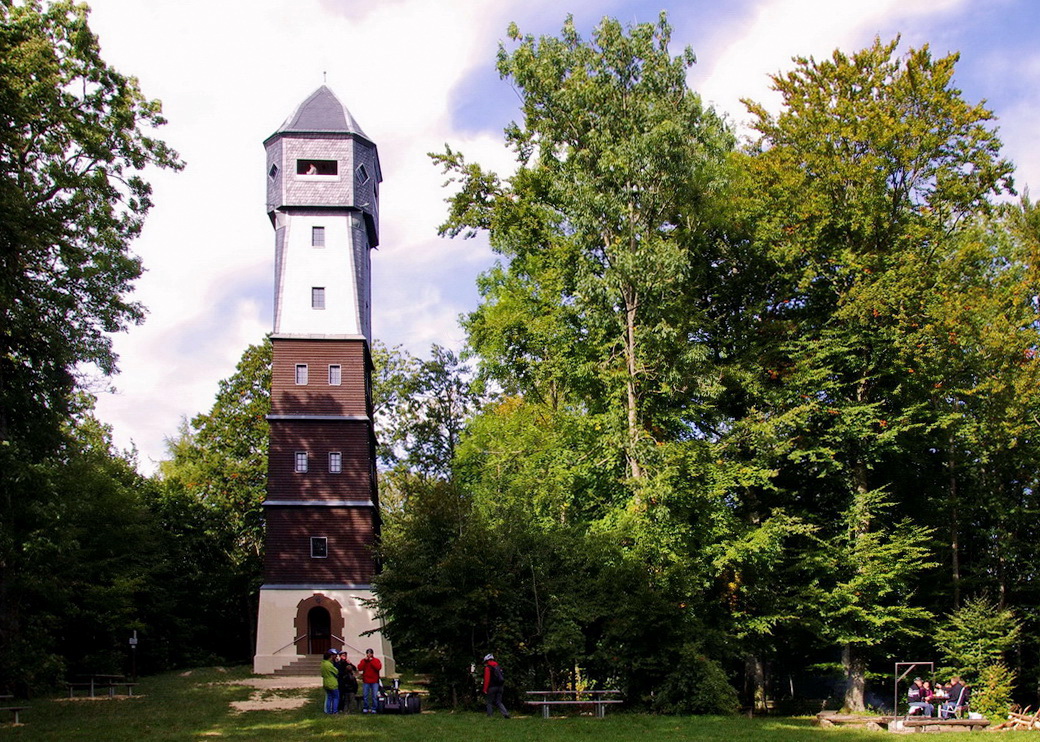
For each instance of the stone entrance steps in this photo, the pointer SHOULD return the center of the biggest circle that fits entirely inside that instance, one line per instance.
(307, 665)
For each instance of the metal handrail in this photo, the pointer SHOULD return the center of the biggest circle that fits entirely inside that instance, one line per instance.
(344, 643)
(301, 636)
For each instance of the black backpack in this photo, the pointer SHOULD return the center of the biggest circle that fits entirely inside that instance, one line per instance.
(498, 677)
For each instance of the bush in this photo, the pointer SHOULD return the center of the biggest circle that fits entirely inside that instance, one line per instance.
(698, 685)
(992, 695)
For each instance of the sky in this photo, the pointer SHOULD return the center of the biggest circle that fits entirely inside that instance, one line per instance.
(417, 75)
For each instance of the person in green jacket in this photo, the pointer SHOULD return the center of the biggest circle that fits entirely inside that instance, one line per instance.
(330, 682)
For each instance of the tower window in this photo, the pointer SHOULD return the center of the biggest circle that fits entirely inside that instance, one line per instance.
(300, 462)
(301, 374)
(335, 462)
(319, 547)
(273, 172)
(317, 167)
(318, 297)
(317, 236)
(361, 172)
(335, 375)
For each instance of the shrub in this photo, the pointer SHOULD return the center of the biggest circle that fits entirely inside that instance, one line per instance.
(697, 685)
(992, 695)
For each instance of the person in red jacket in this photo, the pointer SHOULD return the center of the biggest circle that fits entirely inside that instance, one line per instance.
(494, 682)
(370, 668)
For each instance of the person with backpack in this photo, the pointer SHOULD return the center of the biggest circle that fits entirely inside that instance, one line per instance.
(494, 682)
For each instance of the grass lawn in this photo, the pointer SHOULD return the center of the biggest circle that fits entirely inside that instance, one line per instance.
(197, 706)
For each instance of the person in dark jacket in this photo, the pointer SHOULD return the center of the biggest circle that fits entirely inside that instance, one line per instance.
(958, 696)
(347, 682)
(918, 702)
(494, 682)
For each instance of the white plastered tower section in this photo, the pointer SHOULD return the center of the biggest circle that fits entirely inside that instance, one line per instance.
(322, 197)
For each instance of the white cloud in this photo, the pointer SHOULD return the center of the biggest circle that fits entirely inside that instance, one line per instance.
(229, 72)
(764, 42)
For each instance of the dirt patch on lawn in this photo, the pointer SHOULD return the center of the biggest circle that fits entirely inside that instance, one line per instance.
(266, 695)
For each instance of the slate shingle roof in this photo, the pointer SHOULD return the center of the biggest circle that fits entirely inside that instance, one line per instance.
(321, 113)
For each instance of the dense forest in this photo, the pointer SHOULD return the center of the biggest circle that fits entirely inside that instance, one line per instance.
(738, 423)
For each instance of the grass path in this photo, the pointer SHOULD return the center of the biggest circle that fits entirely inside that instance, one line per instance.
(198, 706)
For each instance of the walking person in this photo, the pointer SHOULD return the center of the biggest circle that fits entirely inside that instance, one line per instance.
(330, 682)
(347, 682)
(370, 667)
(494, 683)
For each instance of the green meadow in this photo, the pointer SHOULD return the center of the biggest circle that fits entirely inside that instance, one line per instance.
(198, 706)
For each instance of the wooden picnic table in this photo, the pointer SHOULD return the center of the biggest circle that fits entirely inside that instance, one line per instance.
(101, 681)
(599, 699)
(16, 710)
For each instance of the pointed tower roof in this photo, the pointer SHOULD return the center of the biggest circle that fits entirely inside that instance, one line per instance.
(321, 113)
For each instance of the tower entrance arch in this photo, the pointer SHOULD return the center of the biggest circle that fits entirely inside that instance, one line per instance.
(319, 625)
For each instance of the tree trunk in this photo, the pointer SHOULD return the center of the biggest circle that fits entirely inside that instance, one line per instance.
(756, 678)
(855, 680)
(955, 549)
(635, 469)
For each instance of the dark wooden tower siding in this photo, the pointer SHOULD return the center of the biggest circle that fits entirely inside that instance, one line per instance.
(350, 539)
(318, 396)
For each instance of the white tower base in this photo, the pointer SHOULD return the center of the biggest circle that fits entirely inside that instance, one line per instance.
(284, 635)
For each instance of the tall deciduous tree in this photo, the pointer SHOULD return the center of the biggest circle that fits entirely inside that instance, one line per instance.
(617, 161)
(75, 136)
(860, 185)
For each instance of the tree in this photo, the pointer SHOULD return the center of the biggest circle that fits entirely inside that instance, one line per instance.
(74, 136)
(219, 461)
(858, 190)
(600, 224)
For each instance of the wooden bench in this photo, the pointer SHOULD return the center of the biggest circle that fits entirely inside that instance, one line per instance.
(16, 710)
(934, 724)
(73, 687)
(121, 684)
(599, 700)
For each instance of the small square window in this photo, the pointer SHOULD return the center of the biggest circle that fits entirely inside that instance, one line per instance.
(301, 374)
(273, 172)
(319, 547)
(300, 462)
(362, 174)
(335, 375)
(317, 236)
(318, 297)
(335, 462)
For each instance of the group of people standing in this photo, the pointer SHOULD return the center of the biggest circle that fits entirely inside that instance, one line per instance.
(339, 679)
(951, 697)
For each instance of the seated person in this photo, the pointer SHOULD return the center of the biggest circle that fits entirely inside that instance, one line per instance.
(915, 695)
(958, 695)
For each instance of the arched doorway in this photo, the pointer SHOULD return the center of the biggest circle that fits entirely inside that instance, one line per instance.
(319, 630)
(318, 626)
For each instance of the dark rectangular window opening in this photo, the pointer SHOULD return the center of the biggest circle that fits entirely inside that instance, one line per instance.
(318, 297)
(317, 167)
(319, 547)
